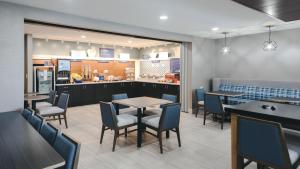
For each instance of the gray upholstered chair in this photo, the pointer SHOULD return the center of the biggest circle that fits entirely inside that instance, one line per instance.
(199, 93)
(158, 110)
(60, 110)
(50, 102)
(265, 143)
(213, 105)
(169, 120)
(48, 132)
(36, 121)
(27, 113)
(122, 108)
(114, 122)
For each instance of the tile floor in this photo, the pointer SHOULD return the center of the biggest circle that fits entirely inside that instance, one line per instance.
(203, 147)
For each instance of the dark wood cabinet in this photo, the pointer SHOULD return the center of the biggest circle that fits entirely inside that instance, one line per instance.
(84, 94)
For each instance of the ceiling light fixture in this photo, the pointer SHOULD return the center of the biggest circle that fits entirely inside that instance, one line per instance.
(163, 17)
(215, 29)
(270, 45)
(83, 36)
(226, 49)
(129, 41)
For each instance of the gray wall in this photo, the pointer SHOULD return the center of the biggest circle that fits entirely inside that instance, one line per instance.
(12, 45)
(248, 60)
(55, 47)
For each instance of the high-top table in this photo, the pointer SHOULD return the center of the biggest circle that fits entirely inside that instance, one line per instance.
(140, 103)
(22, 147)
(287, 115)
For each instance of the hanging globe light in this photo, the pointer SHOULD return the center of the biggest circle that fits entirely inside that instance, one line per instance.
(270, 45)
(226, 49)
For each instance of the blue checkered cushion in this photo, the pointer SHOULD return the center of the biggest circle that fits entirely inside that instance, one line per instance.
(291, 93)
(297, 93)
(225, 87)
(262, 93)
(249, 92)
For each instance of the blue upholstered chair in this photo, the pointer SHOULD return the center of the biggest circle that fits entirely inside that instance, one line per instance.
(36, 121)
(158, 110)
(123, 109)
(60, 110)
(213, 105)
(114, 122)
(199, 93)
(48, 132)
(69, 149)
(169, 120)
(27, 113)
(50, 102)
(264, 142)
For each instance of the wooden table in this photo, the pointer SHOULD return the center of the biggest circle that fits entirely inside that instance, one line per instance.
(35, 98)
(287, 115)
(226, 94)
(140, 103)
(284, 100)
(22, 147)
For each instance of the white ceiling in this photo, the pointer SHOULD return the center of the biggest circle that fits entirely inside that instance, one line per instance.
(65, 34)
(191, 17)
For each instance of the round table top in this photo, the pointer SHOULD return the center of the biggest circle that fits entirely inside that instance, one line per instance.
(36, 97)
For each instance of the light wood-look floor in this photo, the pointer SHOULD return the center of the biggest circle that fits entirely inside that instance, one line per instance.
(203, 147)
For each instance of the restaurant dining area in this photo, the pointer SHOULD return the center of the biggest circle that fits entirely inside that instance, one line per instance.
(144, 85)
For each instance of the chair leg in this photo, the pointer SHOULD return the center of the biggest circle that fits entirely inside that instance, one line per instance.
(115, 139)
(222, 121)
(59, 119)
(167, 134)
(102, 134)
(204, 118)
(160, 142)
(178, 136)
(125, 132)
(65, 118)
(197, 111)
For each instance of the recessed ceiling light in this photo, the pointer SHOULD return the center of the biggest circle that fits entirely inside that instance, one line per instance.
(129, 41)
(215, 29)
(83, 36)
(163, 17)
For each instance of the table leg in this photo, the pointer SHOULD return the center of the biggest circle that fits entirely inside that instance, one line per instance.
(33, 106)
(117, 109)
(236, 162)
(226, 100)
(139, 125)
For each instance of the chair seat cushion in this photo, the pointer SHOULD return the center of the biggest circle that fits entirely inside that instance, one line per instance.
(48, 111)
(151, 120)
(153, 111)
(201, 103)
(43, 104)
(126, 119)
(293, 143)
(130, 111)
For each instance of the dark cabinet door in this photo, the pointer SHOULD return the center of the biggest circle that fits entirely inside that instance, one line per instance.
(104, 92)
(87, 94)
(73, 91)
(130, 88)
(173, 90)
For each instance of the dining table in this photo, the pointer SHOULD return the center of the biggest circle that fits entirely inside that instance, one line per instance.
(22, 147)
(226, 94)
(287, 115)
(140, 103)
(34, 99)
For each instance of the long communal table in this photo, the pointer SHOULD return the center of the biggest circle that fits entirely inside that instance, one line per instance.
(287, 115)
(22, 147)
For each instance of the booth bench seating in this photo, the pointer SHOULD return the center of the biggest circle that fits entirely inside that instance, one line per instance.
(258, 90)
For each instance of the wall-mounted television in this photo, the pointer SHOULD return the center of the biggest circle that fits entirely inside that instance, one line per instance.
(107, 53)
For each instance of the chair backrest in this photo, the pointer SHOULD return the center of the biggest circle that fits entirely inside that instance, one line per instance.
(262, 141)
(108, 115)
(199, 93)
(68, 149)
(27, 113)
(48, 132)
(213, 104)
(169, 97)
(119, 97)
(52, 97)
(36, 122)
(63, 101)
(170, 116)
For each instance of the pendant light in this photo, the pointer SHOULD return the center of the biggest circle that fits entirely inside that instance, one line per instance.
(226, 49)
(270, 45)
